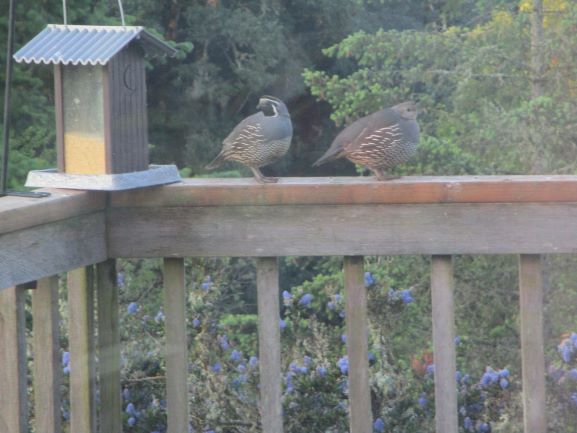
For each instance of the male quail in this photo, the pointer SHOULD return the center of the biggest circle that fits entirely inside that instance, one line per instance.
(378, 141)
(260, 139)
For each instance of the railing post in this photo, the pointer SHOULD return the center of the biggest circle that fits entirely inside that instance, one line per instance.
(446, 419)
(108, 348)
(532, 351)
(361, 419)
(13, 397)
(269, 344)
(176, 345)
(47, 373)
(81, 338)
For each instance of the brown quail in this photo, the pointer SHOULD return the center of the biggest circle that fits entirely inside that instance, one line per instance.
(260, 139)
(379, 141)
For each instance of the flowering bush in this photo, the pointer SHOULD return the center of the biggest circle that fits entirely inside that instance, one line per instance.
(224, 365)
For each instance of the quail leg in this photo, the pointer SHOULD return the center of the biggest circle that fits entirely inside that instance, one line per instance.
(381, 176)
(261, 178)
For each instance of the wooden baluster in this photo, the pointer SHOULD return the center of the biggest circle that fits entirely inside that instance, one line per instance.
(446, 418)
(532, 351)
(269, 344)
(361, 419)
(108, 348)
(13, 397)
(47, 373)
(176, 345)
(81, 341)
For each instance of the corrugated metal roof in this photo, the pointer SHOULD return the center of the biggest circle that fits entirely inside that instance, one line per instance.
(94, 45)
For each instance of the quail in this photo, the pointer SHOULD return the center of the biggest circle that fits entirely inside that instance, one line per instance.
(260, 139)
(378, 141)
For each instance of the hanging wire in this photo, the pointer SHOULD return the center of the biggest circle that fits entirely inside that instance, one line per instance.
(7, 88)
(64, 12)
(7, 112)
(121, 13)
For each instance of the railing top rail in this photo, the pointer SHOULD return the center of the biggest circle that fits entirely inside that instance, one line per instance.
(308, 216)
(355, 190)
(18, 213)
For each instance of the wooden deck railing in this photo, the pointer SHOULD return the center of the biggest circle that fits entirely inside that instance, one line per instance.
(82, 233)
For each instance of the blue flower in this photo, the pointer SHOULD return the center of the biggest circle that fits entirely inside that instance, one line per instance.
(574, 398)
(130, 409)
(406, 296)
(379, 425)
(289, 382)
(371, 356)
(321, 371)
(343, 364)
(195, 323)
(307, 360)
(483, 428)
(207, 283)
(423, 401)
(253, 361)
(504, 373)
(125, 394)
(66, 370)
(282, 324)
(306, 299)
(132, 308)
(223, 341)
(490, 377)
(369, 280)
(338, 297)
(286, 295)
(344, 338)
(241, 368)
(566, 350)
(217, 368)
(468, 424)
(131, 421)
(504, 383)
(120, 279)
(458, 376)
(458, 340)
(331, 305)
(573, 374)
(235, 355)
(65, 359)
(430, 369)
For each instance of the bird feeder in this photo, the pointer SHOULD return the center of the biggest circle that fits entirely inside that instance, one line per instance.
(100, 106)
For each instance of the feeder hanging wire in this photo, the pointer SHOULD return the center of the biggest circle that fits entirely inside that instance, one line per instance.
(7, 88)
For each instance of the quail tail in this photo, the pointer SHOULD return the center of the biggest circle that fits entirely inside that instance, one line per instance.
(215, 162)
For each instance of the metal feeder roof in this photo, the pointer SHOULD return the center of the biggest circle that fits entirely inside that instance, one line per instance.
(87, 45)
